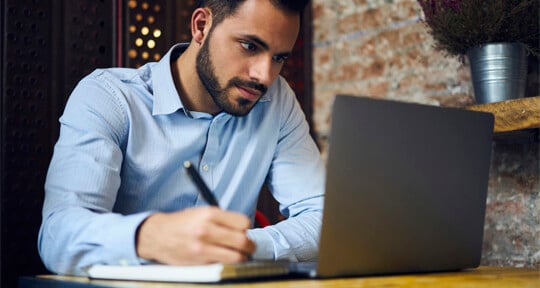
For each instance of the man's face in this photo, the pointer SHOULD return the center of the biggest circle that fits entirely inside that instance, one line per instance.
(244, 54)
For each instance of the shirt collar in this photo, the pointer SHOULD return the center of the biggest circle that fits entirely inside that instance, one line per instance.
(166, 98)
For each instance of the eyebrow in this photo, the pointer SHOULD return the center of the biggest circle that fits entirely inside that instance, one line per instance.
(264, 45)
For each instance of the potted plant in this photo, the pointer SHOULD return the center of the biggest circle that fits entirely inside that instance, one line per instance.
(495, 36)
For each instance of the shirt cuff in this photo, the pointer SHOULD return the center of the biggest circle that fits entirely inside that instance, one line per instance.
(264, 243)
(124, 239)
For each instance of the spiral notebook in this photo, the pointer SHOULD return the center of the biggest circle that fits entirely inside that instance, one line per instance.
(405, 192)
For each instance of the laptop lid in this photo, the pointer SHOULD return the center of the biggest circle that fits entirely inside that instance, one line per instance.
(406, 188)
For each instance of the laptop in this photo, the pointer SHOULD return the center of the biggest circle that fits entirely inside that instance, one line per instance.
(405, 193)
(406, 188)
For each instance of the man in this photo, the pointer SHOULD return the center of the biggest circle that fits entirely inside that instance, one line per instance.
(116, 192)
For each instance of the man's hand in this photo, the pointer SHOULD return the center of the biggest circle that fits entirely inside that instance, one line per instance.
(194, 236)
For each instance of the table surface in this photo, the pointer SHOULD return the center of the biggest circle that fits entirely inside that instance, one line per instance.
(492, 277)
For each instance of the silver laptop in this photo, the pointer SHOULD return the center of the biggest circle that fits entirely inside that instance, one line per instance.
(406, 188)
(405, 192)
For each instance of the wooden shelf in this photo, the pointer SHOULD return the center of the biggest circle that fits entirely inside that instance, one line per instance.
(513, 115)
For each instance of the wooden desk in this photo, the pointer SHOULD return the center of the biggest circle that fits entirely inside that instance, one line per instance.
(491, 277)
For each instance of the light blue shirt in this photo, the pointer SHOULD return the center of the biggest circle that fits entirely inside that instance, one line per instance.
(124, 137)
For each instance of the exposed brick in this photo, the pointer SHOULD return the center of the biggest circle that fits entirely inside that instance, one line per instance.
(413, 37)
(318, 11)
(389, 39)
(377, 90)
(324, 59)
(370, 19)
(375, 48)
(375, 69)
(348, 24)
(351, 71)
(434, 86)
(456, 101)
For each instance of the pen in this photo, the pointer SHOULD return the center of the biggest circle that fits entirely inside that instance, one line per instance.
(203, 189)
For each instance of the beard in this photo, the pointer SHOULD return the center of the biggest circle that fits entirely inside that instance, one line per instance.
(222, 95)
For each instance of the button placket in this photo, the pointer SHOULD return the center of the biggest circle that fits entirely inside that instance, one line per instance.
(210, 152)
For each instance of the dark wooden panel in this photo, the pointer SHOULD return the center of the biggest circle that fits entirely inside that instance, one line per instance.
(26, 125)
(47, 46)
(88, 39)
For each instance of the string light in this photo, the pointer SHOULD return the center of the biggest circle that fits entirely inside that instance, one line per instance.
(132, 53)
(145, 30)
(145, 35)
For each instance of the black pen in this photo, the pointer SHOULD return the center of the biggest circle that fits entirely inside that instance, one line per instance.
(203, 189)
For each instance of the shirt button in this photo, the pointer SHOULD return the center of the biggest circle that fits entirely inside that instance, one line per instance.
(123, 262)
(205, 167)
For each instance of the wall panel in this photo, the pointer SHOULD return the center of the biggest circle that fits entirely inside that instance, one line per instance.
(47, 46)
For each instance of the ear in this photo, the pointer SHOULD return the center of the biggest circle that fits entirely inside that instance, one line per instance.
(201, 21)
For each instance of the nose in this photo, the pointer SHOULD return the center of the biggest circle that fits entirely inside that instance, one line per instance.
(262, 70)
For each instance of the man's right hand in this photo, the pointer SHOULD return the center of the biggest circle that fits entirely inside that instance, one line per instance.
(194, 236)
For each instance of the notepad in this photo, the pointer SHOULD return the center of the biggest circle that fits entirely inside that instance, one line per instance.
(194, 274)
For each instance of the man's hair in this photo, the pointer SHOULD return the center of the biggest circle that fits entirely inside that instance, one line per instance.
(222, 9)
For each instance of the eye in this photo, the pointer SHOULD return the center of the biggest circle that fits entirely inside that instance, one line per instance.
(248, 46)
(280, 59)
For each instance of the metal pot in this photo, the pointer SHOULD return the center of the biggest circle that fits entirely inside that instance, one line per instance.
(498, 71)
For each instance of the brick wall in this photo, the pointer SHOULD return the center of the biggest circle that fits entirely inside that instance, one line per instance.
(512, 227)
(381, 49)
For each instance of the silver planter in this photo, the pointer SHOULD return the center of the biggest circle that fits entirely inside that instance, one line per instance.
(498, 71)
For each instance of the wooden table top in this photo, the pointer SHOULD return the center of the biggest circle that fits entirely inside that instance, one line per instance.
(492, 277)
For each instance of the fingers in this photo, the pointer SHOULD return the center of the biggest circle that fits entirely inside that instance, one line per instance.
(232, 220)
(224, 236)
(195, 236)
(226, 229)
(206, 253)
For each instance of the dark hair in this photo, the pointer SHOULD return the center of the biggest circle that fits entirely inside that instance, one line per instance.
(222, 9)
